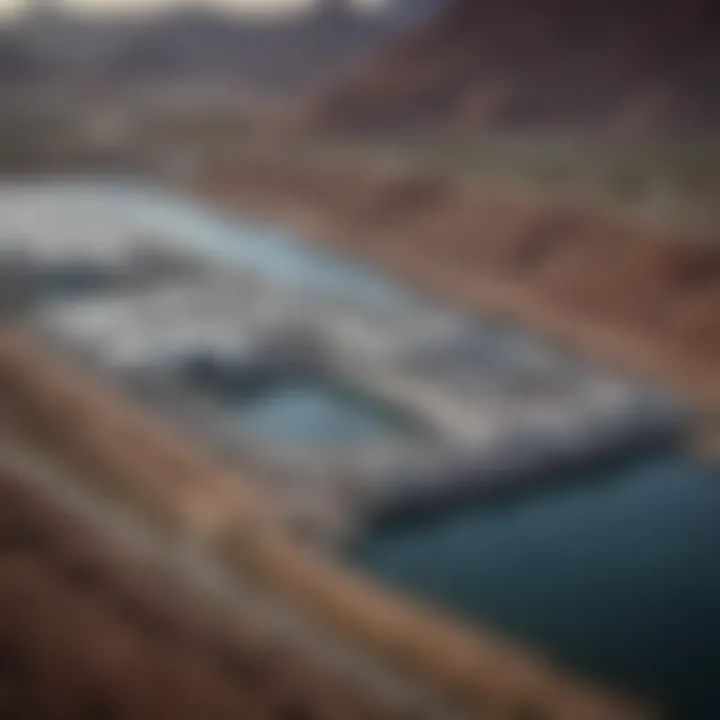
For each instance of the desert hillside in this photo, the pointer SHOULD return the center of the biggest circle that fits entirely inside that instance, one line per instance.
(648, 64)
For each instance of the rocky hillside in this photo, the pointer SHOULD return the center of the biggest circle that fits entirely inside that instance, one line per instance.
(545, 63)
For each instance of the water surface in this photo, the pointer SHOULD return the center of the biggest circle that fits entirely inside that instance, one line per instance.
(616, 574)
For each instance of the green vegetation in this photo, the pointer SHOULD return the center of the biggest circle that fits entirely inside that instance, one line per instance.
(27, 137)
(50, 138)
(675, 179)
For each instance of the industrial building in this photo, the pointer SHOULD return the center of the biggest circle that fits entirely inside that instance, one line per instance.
(352, 397)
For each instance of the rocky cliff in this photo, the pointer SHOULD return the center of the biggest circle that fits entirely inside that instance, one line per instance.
(648, 64)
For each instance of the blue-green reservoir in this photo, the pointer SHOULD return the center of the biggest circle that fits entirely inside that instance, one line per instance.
(616, 575)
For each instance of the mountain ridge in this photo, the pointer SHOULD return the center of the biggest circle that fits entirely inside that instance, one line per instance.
(544, 63)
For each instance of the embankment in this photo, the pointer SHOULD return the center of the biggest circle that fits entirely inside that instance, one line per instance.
(92, 628)
(95, 433)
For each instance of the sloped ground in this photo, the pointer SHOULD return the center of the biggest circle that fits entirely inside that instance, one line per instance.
(649, 64)
(88, 631)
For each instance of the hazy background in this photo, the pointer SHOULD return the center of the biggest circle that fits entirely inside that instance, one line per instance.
(259, 7)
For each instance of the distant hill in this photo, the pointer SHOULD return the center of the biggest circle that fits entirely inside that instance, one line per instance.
(544, 63)
(195, 44)
(18, 65)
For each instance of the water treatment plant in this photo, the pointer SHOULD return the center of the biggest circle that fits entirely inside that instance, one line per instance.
(492, 471)
(356, 399)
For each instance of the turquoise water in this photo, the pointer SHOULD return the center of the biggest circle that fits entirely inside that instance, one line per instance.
(270, 249)
(303, 408)
(315, 413)
(616, 575)
(267, 248)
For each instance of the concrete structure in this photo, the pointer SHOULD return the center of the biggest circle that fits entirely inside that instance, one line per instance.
(432, 410)
(351, 404)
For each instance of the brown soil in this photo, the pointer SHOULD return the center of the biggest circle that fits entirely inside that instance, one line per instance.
(173, 480)
(649, 64)
(88, 630)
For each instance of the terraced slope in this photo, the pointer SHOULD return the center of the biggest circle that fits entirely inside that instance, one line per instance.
(88, 630)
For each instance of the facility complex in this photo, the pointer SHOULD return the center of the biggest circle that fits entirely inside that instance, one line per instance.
(349, 396)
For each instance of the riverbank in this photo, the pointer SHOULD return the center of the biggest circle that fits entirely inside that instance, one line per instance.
(164, 632)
